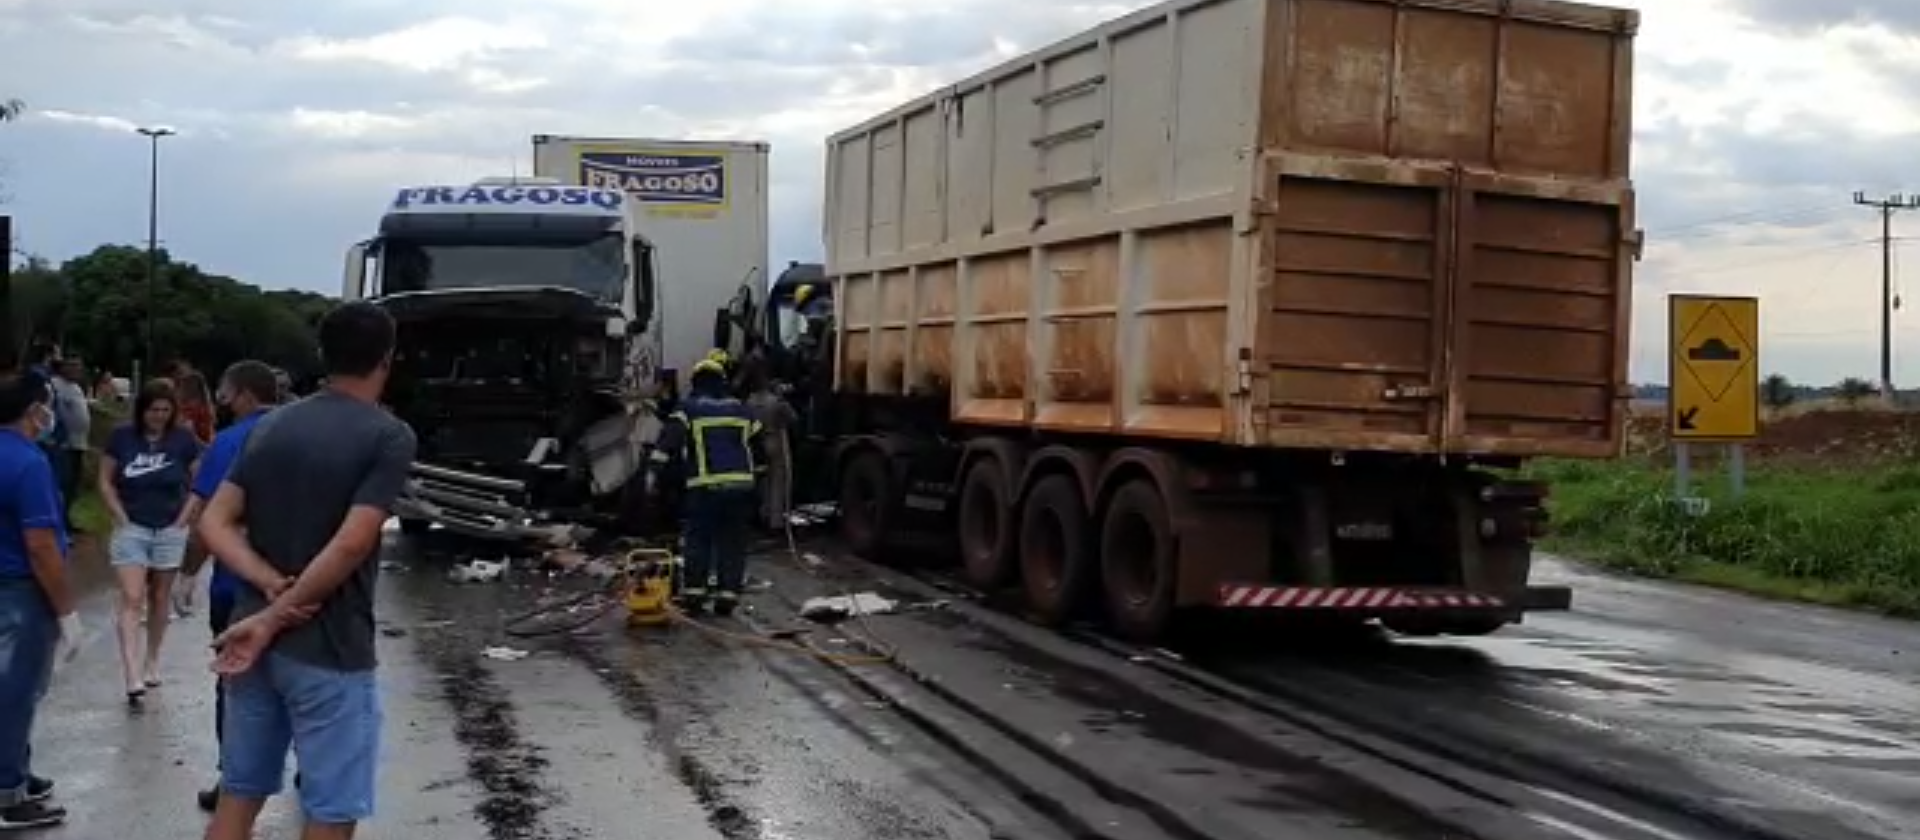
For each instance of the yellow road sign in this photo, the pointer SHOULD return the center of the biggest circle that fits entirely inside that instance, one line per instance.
(1713, 367)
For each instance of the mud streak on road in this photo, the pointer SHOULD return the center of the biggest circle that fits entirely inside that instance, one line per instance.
(508, 769)
(723, 813)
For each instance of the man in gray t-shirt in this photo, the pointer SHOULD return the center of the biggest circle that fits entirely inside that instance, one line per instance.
(298, 520)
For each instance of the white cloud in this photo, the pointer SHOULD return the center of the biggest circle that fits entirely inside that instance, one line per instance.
(1756, 120)
(100, 121)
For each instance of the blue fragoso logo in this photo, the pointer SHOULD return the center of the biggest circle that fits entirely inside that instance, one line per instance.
(679, 179)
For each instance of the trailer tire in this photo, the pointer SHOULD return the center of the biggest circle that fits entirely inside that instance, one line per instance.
(415, 527)
(987, 525)
(866, 504)
(1057, 566)
(1139, 561)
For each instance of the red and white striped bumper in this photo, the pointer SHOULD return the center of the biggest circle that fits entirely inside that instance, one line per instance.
(1353, 598)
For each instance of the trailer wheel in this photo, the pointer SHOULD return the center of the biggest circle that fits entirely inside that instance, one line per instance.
(1056, 562)
(415, 527)
(866, 492)
(987, 522)
(1138, 561)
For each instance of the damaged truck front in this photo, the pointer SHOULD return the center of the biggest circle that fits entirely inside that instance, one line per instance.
(528, 342)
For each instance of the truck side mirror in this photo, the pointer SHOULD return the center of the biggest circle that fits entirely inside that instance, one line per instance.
(644, 279)
(723, 328)
(353, 281)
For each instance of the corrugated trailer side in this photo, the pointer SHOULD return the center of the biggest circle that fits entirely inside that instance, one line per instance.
(1348, 224)
(1448, 244)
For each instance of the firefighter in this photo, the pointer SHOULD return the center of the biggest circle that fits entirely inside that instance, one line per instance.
(713, 433)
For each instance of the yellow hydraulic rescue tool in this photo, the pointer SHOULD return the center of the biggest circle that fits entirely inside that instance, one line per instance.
(650, 597)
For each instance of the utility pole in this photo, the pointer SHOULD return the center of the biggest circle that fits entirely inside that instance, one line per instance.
(153, 136)
(9, 348)
(1887, 207)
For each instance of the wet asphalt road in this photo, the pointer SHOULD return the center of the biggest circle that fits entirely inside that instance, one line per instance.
(609, 735)
(1800, 719)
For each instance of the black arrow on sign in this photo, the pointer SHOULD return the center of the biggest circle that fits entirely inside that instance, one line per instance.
(1685, 422)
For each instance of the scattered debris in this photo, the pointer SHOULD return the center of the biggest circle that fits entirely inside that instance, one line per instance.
(477, 571)
(392, 566)
(504, 654)
(838, 608)
(562, 534)
(564, 559)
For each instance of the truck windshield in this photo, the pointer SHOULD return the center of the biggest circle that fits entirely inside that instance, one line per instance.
(594, 266)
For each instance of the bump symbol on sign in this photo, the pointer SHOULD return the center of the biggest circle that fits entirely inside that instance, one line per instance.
(1716, 353)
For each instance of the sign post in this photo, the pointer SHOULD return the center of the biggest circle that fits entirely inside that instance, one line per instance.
(1713, 371)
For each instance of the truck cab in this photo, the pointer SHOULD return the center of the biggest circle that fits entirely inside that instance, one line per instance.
(529, 343)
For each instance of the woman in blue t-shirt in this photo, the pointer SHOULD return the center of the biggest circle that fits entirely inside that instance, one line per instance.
(145, 470)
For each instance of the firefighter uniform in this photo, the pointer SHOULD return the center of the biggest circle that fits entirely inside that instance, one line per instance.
(713, 432)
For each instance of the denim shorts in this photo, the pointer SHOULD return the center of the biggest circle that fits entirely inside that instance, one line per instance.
(330, 718)
(160, 549)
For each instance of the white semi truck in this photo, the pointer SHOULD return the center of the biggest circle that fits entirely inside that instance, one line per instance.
(703, 204)
(530, 339)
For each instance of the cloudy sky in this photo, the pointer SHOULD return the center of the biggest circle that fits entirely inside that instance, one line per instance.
(1756, 122)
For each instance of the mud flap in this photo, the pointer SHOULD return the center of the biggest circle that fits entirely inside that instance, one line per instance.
(1555, 598)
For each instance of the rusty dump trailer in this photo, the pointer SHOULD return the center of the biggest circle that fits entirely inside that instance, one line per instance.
(1243, 304)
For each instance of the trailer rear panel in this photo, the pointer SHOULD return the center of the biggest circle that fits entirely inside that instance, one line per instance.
(1349, 224)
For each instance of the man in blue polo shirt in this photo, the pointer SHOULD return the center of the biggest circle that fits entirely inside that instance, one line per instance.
(38, 625)
(248, 389)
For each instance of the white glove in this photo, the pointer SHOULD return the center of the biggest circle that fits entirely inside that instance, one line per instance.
(69, 645)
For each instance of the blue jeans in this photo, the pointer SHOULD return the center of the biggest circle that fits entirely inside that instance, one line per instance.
(330, 718)
(28, 634)
(717, 524)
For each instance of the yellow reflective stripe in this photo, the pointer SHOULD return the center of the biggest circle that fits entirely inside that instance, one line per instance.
(720, 479)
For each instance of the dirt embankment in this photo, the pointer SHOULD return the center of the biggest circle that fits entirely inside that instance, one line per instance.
(1835, 436)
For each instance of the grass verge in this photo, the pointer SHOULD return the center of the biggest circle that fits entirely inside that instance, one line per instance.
(1839, 537)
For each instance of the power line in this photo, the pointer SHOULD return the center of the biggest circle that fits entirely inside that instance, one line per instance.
(1734, 222)
(1887, 207)
(1790, 257)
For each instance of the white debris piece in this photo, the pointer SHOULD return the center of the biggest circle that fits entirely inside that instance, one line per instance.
(504, 654)
(839, 607)
(477, 571)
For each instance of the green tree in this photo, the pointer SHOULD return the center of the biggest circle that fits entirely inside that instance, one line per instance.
(1776, 391)
(94, 305)
(1853, 389)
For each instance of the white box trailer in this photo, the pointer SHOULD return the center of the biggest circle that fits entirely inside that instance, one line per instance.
(703, 206)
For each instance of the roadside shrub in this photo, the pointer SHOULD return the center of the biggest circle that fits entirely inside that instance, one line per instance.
(1835, 536)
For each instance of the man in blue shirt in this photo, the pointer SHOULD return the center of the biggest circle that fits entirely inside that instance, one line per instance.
(38, 625)
(249, 390)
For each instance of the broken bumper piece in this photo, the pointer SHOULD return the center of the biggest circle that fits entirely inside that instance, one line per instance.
(476, 505)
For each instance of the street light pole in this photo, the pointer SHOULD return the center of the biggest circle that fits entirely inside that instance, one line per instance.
(153, 136)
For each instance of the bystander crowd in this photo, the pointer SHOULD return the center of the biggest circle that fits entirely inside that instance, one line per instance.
(38, 623)
(144, 472)
(299, 657)
(248, 390)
